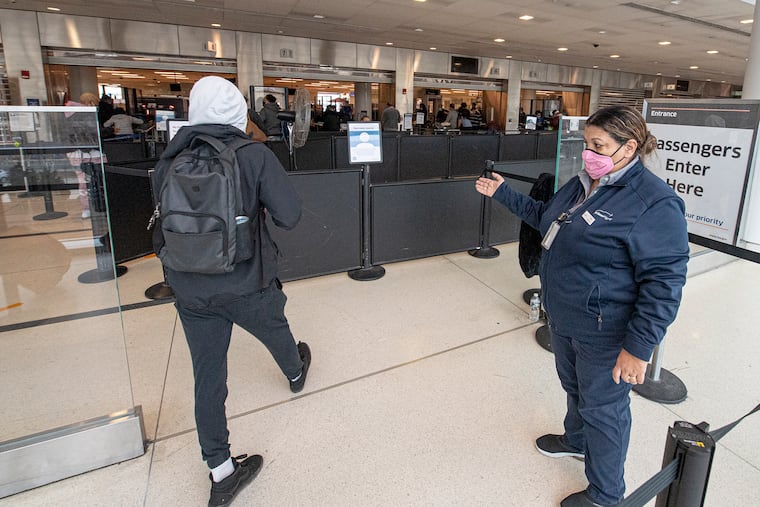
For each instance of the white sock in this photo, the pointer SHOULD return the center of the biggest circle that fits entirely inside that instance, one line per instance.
(223, 471)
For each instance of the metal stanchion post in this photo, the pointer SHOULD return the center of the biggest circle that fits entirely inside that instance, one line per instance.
(367, 272)
(661, 385)
(485, 250)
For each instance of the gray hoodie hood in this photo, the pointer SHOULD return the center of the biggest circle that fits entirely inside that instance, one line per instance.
(215, 100)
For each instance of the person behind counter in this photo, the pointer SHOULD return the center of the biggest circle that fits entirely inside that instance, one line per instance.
(615, 249)
(122, 122)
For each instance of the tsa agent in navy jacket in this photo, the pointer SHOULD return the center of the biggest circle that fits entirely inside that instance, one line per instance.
(615, 249)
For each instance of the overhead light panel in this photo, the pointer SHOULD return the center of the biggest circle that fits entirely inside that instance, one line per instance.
(526, 17)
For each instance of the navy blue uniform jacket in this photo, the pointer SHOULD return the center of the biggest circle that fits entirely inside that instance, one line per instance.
(617, 274)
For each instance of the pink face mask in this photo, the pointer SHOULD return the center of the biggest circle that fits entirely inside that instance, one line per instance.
(597, 165)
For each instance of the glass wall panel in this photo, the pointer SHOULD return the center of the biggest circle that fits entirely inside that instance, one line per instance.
(63, 354)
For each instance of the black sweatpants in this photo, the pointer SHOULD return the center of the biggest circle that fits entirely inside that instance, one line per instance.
(208, 332)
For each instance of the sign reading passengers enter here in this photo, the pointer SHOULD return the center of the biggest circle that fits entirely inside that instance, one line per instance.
(704, 151)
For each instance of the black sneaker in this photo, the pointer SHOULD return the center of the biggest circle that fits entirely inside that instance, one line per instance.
(296, 386)
(224, 491)
(580, 499)
(555, 446)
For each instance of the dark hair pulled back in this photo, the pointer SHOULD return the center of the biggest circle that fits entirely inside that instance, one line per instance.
(623, 123)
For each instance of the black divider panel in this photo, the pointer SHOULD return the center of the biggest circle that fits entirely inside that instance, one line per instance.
(280, 150)
(316, 154)
(469, 153)
(328, 237)
(119, 151)
(517, 147)
(130, 205)
(527, 168)
(387, 172)
(505, 227)
(424, 157)
(413, 220)
(547, 145)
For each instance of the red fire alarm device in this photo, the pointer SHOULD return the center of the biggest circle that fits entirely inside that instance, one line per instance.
(24, 74)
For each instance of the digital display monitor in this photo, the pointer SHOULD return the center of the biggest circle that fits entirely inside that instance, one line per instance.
(365, 145)
(465, 65)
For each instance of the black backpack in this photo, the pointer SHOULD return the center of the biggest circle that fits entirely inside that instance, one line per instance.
(200, 210)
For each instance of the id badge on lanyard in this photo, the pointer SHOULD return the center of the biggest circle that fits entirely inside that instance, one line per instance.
(546, 243)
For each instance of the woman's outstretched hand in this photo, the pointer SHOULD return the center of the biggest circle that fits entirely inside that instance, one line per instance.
(488, 186)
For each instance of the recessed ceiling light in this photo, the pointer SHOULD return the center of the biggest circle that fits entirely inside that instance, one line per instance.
(713, 52)
(280, 31)
(509, 56)
(561, 49)
(54, 9)
(602, 32)
(659, 73)
(498, 40)
(526, 17)
(216, 25)
(388, 43)
(420, 1)
(433, 49)
(614, 56)
(746, 21)
(678, 75)
(596, 66)
(419, 30)
(319, 16)
(693, 67)
(664, 43)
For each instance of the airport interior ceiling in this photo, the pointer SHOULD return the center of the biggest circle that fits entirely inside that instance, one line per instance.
(705, 40)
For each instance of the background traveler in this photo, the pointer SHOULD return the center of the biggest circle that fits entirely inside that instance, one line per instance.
(272, 126)
(612, 270)
(390, 117)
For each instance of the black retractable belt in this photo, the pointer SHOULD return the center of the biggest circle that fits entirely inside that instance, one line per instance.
(686, 464)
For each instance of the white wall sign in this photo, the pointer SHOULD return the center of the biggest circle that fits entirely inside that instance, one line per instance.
(704, 151)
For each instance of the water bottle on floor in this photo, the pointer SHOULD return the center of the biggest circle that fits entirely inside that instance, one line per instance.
(535, 307)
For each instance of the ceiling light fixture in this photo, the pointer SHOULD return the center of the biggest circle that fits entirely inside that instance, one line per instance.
(216, 25)
(319, 16)
(602, 32)
(664, 43)
(498, 40)
(526, 17)
(746, 21)
(694, 67)
(509, 56)
(713, 52)
(614, 56)
(433, 49)
(388, 43)
(54, 9)
(419, 30)
(561, 49)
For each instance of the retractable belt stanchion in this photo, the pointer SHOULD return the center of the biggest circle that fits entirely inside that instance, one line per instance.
(485, 250)
(686, 465)
(661, 385)
(367, 272)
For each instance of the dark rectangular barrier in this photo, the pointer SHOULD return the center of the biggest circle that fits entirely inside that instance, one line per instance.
(420, 219)
(547, 145)
(517, 147)
(423, 157)
(469, 152)
(328, 237)
(505, 226)
(130, 206)
(386, 172)
(121, 151)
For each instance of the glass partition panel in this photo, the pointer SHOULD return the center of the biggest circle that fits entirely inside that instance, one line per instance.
(569, 148)
(63, 354)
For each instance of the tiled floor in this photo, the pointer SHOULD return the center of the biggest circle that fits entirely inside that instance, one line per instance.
(427, 388)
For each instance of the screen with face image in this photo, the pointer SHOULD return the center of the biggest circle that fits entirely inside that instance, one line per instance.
(258, 94)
